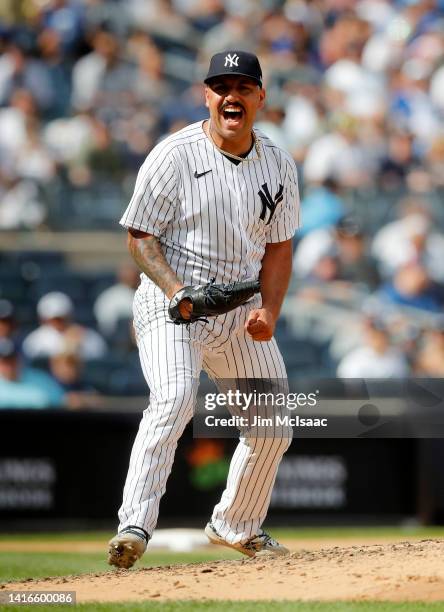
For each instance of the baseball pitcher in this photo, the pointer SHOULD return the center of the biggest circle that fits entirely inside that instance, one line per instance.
(210, 225)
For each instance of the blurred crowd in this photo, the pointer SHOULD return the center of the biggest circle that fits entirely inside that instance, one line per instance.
(60, 355)
(87, 87)
(376, 300)
(355, 91)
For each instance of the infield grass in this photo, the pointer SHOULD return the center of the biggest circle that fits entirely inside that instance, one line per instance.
(278, 532)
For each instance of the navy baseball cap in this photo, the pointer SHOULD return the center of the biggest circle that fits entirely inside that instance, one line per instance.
(239, 63)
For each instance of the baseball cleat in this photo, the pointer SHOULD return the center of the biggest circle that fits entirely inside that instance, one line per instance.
(261, 545)
(126, 548)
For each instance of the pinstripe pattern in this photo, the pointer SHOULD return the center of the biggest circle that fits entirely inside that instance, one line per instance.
(172, 358)
(208, 226)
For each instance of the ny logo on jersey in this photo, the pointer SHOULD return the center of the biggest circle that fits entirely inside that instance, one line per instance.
(269, 202)
(231, 60)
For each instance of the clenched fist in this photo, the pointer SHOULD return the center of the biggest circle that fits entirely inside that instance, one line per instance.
(260, 324)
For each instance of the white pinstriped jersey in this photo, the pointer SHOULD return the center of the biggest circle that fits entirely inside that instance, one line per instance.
(212, 217)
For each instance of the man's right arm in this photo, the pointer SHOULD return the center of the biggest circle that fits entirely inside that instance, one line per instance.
(148, 255)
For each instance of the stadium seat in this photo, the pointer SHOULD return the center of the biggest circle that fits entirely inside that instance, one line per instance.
(12, 287)
(98, 282)
(100, 372)
(127, 381)
(63, 280)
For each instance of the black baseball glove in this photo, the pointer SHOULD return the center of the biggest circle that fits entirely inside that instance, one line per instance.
(211, 300)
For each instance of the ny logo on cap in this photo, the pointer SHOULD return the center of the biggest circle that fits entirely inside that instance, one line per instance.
(231, 60)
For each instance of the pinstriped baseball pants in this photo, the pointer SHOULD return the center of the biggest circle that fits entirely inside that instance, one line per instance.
(172, 358)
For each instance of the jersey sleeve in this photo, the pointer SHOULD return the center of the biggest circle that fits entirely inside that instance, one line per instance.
(154, 199)
(286, 219)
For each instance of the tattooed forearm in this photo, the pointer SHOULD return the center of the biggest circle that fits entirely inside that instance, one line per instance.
(148, 255)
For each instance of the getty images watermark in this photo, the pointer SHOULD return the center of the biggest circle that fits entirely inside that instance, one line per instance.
(253, 407)
(327, 408)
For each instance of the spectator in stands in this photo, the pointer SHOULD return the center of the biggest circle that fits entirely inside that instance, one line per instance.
(346, 37)
(100, 158)
(18, 70)
(21, 203)
(413, 287)
(65, 17)
(410, 238)
(429, 361)
(435, 160)
(32, 160)
(234, 31)
(67, 369)
(162, 19)
(23, 387)
(103, 79)
(116, 302)
(337, 253)
(272, 120)
(326, 269)
(355, 265)
(189, 106)
(303, 113)
(69, 138)
(313, 247)
(8, 321)
(399, 160)
(375, 358)
(59, 69)
(57, 333)
(150, 85)
(14, 119)
(340, 154)
(114, 13)
(321, 207)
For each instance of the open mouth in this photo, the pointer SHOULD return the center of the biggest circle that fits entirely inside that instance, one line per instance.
(232, 114)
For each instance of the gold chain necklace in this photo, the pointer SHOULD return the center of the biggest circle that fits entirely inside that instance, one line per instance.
(232, 155)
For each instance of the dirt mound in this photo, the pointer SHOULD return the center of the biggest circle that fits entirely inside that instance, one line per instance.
(405, 571)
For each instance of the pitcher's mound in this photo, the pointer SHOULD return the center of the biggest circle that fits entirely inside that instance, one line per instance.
(403, 571)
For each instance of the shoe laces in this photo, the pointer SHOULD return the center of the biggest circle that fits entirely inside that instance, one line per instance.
(260, 542)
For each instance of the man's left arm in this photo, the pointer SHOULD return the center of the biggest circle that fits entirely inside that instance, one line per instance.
(275, 278)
